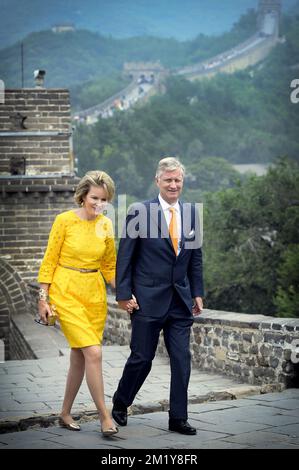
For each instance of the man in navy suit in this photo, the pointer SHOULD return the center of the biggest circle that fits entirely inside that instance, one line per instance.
(159, 282)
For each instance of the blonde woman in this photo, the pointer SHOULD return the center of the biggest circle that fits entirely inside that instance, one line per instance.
(78, 258)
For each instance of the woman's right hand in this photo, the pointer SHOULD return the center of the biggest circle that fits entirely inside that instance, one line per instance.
(44, 310)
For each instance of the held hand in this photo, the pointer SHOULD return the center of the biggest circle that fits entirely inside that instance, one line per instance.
(123, 304)
(129, 305)
(132, 304)
(197, 306)
(44, 310)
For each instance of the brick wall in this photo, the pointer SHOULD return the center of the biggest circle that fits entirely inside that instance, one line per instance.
(37, 182)
(27, 210)
(35, 124)
(13, 301)
(19, 348)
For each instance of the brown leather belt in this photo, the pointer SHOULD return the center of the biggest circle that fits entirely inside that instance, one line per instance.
(81, 270)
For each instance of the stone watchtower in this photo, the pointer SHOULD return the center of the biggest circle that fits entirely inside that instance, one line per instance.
(37, 181)
(268, 16)
(268, 6)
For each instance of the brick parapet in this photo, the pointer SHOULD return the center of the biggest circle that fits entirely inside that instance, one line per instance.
(35, 127)
(55, 183)
(41, 106)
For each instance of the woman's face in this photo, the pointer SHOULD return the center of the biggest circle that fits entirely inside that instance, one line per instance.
(95, 201)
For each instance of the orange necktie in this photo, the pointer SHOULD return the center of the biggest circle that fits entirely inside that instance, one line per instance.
(173, 230)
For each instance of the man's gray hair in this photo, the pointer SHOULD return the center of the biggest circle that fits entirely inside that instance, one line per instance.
(169, 164)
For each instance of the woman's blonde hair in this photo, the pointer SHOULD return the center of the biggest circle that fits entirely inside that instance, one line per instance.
(94, 178)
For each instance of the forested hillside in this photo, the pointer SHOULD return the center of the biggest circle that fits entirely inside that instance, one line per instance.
(123, 18)
(74, 58)
(251, 239)
(251, 245)
(251, 224)
(245, 117)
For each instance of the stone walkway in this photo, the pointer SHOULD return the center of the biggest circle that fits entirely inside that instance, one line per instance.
(226, 413)
(32, 390)
(257, 422)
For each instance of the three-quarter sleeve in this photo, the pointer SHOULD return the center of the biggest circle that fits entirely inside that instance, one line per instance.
(51, 257)
(108, 260)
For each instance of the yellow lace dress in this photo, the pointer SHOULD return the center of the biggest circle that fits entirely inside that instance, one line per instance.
(79, 298)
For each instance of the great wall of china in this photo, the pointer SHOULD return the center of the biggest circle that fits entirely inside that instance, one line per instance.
(147, 78)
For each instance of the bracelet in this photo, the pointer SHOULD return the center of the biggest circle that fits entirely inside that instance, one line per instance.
(43, 295)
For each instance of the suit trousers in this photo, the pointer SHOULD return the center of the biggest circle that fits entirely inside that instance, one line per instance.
(176, 326)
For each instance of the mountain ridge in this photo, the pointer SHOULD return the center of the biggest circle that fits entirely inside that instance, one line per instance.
(75, 57)
(123, 18)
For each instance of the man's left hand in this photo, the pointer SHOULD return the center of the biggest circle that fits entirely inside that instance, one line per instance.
(198, 306)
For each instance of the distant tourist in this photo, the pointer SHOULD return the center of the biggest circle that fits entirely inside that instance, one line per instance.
(71, 283)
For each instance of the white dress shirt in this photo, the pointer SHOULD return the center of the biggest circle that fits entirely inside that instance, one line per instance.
(167, 213)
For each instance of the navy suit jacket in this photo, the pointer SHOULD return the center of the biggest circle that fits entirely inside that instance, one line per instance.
(147, 265)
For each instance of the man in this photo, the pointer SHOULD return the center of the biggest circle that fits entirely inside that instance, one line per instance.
(159, 271)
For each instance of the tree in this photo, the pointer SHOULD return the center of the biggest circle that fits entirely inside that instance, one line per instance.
(287, 298)
(251, 244)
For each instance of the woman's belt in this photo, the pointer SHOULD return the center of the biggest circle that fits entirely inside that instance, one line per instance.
(81, 270)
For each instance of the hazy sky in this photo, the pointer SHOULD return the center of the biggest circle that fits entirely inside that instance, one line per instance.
(182, 19)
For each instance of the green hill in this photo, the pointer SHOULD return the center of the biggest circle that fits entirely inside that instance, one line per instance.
(75, 57)
(122, 18)
(245, 117)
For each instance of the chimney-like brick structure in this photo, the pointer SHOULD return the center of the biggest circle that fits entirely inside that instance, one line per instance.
(35, 126)
(37, 181)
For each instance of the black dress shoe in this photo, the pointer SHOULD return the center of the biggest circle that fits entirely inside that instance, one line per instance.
(182, 426)
(119, 413)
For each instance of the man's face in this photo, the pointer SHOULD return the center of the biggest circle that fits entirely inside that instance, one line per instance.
(170, 184)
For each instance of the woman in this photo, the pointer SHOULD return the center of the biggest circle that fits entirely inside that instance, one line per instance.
(80, 252)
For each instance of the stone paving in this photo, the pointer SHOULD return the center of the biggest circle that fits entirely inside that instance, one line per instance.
(256, 422)
(227, 414)
(34, 388)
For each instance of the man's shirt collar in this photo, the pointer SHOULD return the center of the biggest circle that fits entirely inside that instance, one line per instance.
(165, 205)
